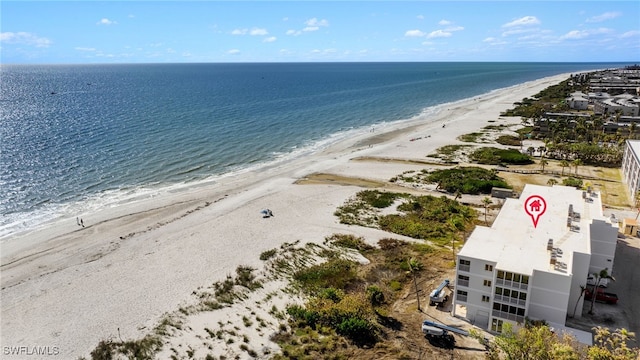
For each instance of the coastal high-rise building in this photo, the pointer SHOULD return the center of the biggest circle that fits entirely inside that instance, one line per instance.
(533, 260)
(631, 168)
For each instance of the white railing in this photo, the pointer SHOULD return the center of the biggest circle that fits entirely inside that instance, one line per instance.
(510, 300)
(508, 316)
(512, 284)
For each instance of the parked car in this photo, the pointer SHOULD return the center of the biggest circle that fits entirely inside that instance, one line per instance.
(591, 280)
(601, 296)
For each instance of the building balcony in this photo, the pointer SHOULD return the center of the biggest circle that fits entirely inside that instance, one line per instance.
(509, 300)
(512, 284)
(508, 316)
(462, 298)
(463, 283)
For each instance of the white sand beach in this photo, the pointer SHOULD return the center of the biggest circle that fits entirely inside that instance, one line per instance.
(67, 287)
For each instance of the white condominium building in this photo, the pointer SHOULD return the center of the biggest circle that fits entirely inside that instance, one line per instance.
(514, 269)
(631, 168)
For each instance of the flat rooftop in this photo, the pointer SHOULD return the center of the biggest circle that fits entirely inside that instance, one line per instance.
(515, 245)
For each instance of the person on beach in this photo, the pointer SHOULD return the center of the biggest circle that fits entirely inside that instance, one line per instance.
(82, 222)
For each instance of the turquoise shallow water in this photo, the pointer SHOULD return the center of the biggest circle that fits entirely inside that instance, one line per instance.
(78, 137)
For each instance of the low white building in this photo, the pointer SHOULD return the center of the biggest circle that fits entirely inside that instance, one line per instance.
(514, 270)
(578, 101)
(631, 168)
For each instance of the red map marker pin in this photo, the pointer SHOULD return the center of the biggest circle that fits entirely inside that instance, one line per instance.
(535, 206)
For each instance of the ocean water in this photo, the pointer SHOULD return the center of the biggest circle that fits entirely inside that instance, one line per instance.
(75, 138)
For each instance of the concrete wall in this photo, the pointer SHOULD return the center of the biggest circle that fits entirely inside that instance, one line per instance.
(603, 245)
(580, 268)
(548, 296)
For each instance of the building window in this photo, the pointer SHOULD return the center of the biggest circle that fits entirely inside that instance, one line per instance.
(465, 265)
(488, 267)
(461, 295)
(485, 298)
(487, 283)
(496, 325)
(463, 280)
(500, 274)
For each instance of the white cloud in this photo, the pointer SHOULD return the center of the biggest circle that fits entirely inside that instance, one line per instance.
(444, 22)
(494, 41)
(285, 19)
(454, 28)
(253, 32)
(581, 34)
(25, 38)
(414, 33)
(420, 17)
(105, 21)
(258, 32)
(314, 22)
(270, 39)
(85, 49)
(438, 34)
(233, 52)
(575, 34)
(523, 21)
(517, 32)
(603, 17)
(629, 34)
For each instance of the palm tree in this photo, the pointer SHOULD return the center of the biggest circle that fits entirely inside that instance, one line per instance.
(414, 267)
(564, 164)
(543, 163)
(576, 163)
(486, 202)
(582, 289)
(603, 274)
(552, 182)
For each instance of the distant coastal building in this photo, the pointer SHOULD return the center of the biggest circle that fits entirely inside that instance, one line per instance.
(578, 101)
(514, 270)
(631, 168)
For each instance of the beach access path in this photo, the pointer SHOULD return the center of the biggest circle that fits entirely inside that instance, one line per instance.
(68, 287)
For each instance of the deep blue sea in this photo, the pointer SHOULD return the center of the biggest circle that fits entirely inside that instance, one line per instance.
(79, 137)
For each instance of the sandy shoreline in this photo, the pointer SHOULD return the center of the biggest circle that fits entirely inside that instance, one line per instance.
(70, 287)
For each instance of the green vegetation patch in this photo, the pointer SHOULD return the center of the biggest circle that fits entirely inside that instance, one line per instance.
(428, 217)
(509, 140)
(472, 137)
(571, 181)
(495, 156)
(362, 209)
(336, 273)
(348, 241)
(450, 152)
(467, 180)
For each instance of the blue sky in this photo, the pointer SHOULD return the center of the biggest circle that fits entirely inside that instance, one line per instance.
(294, 31)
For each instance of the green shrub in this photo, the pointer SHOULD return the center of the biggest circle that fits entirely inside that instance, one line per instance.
(466, 180)
(332, 294)
(335, 273)
(376, 296)
(357, 329)
(509, 140)
(348, 241)
(571, 181)
(495, 156)
(266, 255)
